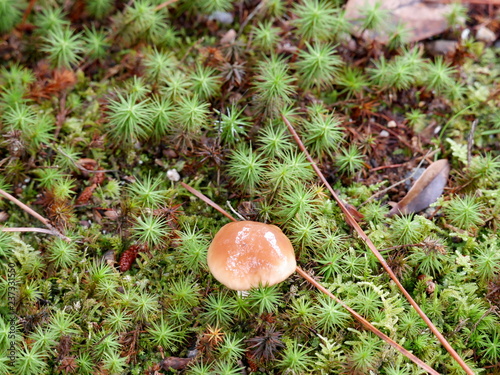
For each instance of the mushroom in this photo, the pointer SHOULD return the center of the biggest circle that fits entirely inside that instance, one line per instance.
(246, 254)
(241, 257)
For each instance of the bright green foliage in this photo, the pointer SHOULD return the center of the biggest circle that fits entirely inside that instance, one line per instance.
(265, 299)
(114, 363)
(274, 86)
(329, 315)
(85, 364)
(440, 76)
(118, 320)
(151, 230)
(105, 344)
(367, 302)
(210, 6)
(30, 361)
(350, 160)
(487, 261)
(233, 125)
(99, 8)
(177, 86)
(457, 15)
(148, 192)
(63, 47)
(297, 202)
(293, 167)
(192, 250)
(465, 213)
(158, 64)
(190, 115)
(246, 167)
(185, 292)
(130, 119)
(199, 368)
(318, 66)
(274, 140)
(144, 306)
(265, 36)
(364, 355)
(63, 323)
(96, 45)
(50, 19)
(165, 335)
(162, 116)
(232, 348)
(330, 263)
(305, 232)
(62, 253)
(205, 83)
(143, 21)
(428, 260)
(416, 119)
(491, 347)
(302, 310)
(322, 134)
(44, 339)
(63, 189)
(295, 358)
(374, 16)
(315, 19)
(226, 368)
(138, 87)
(407, 230)
(219, 310)
(353, 81)
(10, 14)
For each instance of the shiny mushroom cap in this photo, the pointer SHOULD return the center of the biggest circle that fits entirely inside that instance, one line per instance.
(245, 254)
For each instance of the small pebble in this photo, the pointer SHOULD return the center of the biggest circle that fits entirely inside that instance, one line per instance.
(384, 133)
(442, 47)
(222, 17)
(173, 175)
(392, 124)
(485, 35)
(465, 34)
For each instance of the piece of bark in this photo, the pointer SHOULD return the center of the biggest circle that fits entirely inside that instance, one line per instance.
(426, 190)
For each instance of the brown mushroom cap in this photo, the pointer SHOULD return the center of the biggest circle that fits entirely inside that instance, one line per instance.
(245, 254)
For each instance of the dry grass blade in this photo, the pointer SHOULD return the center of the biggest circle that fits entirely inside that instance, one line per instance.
(35, 214)
(352, 222)
(321, 288)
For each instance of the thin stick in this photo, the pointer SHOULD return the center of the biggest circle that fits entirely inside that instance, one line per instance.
(38, 230)
(207, 200)
(367, 324)
(352, 222)
(321, 288)
(163, 5)
(34, 214)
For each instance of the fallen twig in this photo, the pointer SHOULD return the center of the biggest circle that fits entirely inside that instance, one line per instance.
(353, 223)
(34, 214)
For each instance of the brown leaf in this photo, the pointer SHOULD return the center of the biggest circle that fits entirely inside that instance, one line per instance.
(422, 19)
(425, 190)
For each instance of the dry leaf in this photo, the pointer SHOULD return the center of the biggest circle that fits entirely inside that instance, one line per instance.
(425, 190)
(174, 363)
(422, 19)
